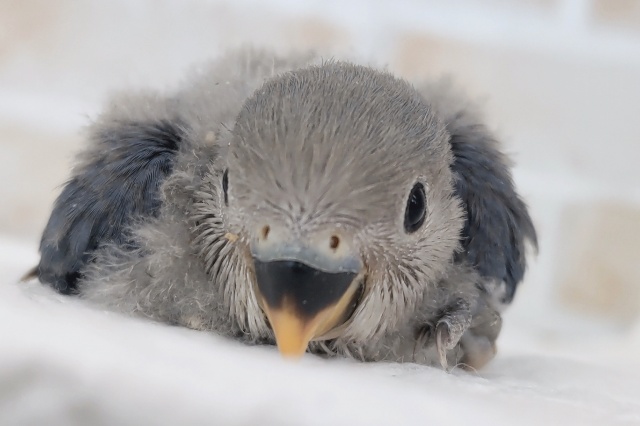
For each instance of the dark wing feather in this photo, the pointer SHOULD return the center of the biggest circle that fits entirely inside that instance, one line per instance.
(117, 182)
(497, 223)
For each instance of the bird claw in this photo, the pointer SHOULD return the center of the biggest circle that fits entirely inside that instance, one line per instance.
(448, 330)
(443, 343)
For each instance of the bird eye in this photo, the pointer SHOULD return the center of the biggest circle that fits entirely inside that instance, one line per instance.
(415, 213)
(225, 186)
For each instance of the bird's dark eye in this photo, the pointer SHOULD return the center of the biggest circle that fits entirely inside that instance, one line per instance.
(416, 210)
(225, 186)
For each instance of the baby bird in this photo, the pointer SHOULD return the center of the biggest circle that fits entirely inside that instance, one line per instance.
(322, 206)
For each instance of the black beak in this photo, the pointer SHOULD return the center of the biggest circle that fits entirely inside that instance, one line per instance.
(302, 302)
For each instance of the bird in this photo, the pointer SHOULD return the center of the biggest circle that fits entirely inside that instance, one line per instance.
(321, 206)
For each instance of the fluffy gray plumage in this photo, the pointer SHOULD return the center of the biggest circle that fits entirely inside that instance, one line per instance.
(161, 211)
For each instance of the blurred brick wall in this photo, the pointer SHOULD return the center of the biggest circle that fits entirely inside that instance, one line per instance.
(618, 14)
(560, 81)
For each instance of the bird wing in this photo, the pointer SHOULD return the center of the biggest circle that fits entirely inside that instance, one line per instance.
(128, 159)
(497, 225)
(116, 182)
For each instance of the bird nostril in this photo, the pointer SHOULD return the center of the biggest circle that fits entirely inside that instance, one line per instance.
(334, 242)
(265, 232)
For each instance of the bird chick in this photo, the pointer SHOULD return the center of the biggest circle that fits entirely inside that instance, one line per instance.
(320, 206)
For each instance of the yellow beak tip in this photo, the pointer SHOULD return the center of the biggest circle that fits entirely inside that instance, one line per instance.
(293, 355)
(293, 331)
(292, 345)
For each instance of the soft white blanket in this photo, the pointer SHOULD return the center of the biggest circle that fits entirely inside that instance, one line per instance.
(65, 363)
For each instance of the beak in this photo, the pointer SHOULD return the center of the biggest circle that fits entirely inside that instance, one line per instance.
(304, 293)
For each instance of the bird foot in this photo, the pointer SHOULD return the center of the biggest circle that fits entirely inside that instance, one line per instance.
(447, 330)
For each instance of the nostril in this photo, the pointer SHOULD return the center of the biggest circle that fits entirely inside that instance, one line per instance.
(265, 232)
(334, 242)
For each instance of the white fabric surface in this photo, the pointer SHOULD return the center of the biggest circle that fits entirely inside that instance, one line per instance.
(65, 363)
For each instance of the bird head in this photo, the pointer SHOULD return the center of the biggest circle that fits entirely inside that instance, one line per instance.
(338, 194)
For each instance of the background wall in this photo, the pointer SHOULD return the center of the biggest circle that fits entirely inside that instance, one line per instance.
(560, 80)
